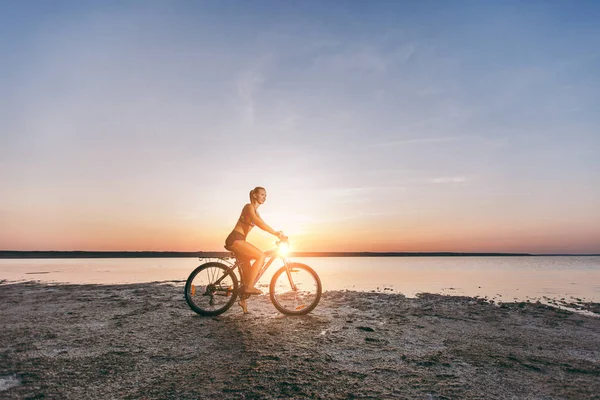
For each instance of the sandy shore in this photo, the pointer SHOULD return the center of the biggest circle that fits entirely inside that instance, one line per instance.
(142, 341)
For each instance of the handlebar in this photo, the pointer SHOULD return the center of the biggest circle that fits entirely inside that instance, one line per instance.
(282, 239)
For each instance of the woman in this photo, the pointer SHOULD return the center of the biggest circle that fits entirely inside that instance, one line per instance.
(236, 241)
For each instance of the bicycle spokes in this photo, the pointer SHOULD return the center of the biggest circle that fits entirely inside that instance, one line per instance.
(210, 289)
(295, 289)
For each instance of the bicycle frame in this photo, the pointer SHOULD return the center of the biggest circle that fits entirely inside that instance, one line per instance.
(271, 255)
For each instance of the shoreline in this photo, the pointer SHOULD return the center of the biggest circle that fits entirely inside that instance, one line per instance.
(574, 303)
(142, 341)
(583, 306)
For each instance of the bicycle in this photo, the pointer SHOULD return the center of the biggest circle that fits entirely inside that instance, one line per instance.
(213, 287)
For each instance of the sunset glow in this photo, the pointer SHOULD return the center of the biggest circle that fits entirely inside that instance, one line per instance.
(373, 126)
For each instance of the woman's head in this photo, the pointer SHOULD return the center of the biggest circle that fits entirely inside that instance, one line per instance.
(258, 194)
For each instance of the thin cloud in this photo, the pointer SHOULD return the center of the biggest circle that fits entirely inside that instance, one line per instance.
(361, 59)
(450, 179)
(354, 191)
(509, 194)
(348, 195)
(247, 85)
(353, 195)
(353, 216)
(409, 51)
(345, 191)
(418, 140)
(430, 91)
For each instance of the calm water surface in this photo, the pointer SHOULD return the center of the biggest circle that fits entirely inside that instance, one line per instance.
(502, 278)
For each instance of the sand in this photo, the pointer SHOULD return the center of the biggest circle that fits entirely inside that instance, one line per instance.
(141, 341)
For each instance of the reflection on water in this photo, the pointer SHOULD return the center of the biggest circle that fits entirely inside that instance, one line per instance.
(500, 278)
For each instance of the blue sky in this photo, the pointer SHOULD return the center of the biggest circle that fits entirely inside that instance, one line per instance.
(391, 125)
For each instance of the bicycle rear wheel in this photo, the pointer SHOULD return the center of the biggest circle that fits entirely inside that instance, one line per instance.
(211, 289)
(297, 292)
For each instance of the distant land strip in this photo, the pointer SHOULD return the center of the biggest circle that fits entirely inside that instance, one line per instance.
(7, 254)
(220, 254)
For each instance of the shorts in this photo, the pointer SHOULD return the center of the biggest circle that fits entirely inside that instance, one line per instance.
(233, 236)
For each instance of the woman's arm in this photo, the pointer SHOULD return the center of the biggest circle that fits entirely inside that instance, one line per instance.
(254, 217)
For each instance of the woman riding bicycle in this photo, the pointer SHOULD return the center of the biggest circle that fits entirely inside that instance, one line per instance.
(236, 241)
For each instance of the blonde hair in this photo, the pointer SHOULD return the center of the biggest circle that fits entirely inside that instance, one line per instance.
(255, 190)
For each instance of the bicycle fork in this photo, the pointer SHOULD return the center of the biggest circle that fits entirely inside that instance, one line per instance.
(289, 275)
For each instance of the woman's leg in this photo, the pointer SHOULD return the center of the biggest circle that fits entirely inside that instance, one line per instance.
(247, 250)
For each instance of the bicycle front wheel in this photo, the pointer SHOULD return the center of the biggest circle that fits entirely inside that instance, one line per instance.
(295, 289)
(211, 289)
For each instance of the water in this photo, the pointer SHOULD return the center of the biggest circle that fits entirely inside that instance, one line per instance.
(499, 278)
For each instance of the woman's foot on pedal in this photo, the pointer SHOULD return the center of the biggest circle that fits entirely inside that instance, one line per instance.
(253, 290)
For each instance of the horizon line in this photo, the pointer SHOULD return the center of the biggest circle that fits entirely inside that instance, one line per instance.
(217, 254)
